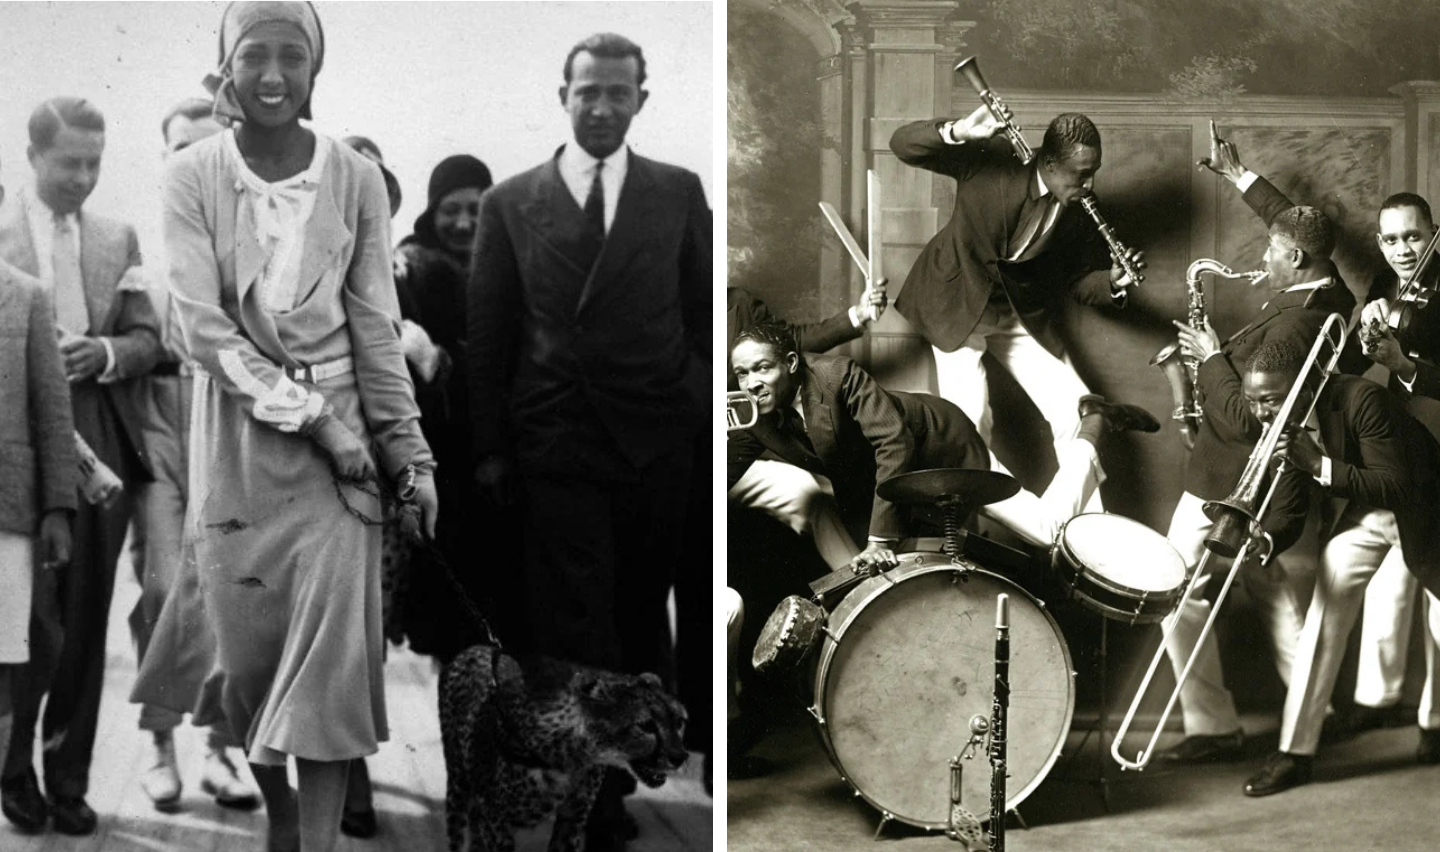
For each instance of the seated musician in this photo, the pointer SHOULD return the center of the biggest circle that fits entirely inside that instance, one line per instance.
(1382, 469)
(1305, 289)
(779, 489)
(827, 415)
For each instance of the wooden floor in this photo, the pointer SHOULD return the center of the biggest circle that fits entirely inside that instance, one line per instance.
(408, 773)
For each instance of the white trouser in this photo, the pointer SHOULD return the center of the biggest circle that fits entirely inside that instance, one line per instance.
(1368, 541)
(799, 500)
(1207, 705)
(1385, 641)
(1050, 382)
(734, 618)
(1038, 519)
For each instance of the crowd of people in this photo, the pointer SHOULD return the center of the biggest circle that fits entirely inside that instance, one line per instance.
(992, 281)
(317, 439)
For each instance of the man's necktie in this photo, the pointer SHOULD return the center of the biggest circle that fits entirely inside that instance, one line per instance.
(791, 424)
(595, 202)
(70, 310)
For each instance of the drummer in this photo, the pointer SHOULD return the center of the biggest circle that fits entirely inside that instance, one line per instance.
(825, 414)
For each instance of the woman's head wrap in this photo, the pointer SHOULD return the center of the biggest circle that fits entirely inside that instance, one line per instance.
(239, 20)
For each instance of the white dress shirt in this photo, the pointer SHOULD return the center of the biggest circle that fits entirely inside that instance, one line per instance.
(577, 169)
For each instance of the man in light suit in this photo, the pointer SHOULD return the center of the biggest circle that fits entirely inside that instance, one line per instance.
(589, 343)
(108, 336)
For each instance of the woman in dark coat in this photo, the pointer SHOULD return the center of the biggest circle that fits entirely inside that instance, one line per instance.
(432, 268)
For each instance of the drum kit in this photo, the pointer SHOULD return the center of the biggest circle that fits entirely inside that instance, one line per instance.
(903, 679)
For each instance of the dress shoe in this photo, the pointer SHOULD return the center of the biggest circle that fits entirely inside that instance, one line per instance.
(23, 805)
(1281, 771)
(161, 782)
(361, 824)
(1118, 416)
(1202, 748)
(70, 815)
(1428, 752)
(222, 780)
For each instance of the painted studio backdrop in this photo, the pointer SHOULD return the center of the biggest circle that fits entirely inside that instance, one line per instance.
(1336, 101)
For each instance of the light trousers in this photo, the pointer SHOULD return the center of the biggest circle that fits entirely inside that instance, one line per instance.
(801, 501)
(1389, 609)
(1368, 541)
(1207, 705)
(734, 619)
(1037, 518)
(1050, 382)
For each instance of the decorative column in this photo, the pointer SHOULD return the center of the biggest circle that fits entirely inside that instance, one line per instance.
(895, 50)
(1422, 137)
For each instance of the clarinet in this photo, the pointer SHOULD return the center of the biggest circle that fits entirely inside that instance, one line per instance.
(1118, 251)
(998, 711)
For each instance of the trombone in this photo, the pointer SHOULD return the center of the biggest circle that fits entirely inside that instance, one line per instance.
(741, 410)
(1237, 528)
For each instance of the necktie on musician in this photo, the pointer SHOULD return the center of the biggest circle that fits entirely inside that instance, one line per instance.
(69, 289)
(1030, 231)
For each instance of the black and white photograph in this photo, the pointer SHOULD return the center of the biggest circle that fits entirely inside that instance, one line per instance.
(1082, 408)
(357, 426)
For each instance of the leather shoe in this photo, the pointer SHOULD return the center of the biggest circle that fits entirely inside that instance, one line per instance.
(361, 824)
(161, 782)
(72, 816)
(1428, 752)
(1118, 416)
(1281, 771)
(1202, 748)
(23, 805)
(222, 780)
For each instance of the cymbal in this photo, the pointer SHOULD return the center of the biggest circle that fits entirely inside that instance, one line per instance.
(969, 486)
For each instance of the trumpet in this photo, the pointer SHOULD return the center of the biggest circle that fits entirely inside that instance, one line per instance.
(1236, 527)
(970, 69)
(1181, 372)
(741, 410)
(1118, 252)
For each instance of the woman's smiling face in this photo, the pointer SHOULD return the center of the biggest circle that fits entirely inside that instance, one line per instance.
(272, 72)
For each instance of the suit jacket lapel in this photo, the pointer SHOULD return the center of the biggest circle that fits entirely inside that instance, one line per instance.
(1331, 421)
(540, 209)
(97, 271)
(636, 209)
(16, 244)
(819, 422)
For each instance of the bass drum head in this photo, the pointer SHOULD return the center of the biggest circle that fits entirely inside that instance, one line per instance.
(914, 662)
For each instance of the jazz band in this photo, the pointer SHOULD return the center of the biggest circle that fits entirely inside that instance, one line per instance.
(1274, 415)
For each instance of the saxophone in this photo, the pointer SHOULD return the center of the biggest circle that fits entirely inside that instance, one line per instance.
(1181, 372)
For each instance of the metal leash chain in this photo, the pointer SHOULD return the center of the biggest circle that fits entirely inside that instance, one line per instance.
(380, 492)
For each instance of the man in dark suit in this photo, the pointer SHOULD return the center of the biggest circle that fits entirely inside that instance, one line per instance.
(1380, 469)
(589, 344)
(828, 416)
(1305, 290)
(992, 279)
(1404, 227)
(108, 337)
(781, 490)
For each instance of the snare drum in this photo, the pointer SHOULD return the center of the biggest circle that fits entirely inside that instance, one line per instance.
(1119, 568)
(908, 659)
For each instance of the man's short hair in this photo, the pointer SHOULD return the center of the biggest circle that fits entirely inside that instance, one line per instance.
(1407, 199)
(607, 46)
(1278, 355)
(1067, 132)
(768, 333)
(55, 114)
(1307, 229)
(193, 109)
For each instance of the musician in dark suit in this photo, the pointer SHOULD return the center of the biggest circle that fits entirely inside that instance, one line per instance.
(1378, 471)
(1404, 228)
(827, 415)
(589, 341)
(993, 278)
(779, 489)
(109, 336)
(1305, 289)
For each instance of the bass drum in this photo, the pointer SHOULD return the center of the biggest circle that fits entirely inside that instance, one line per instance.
(908, 659)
